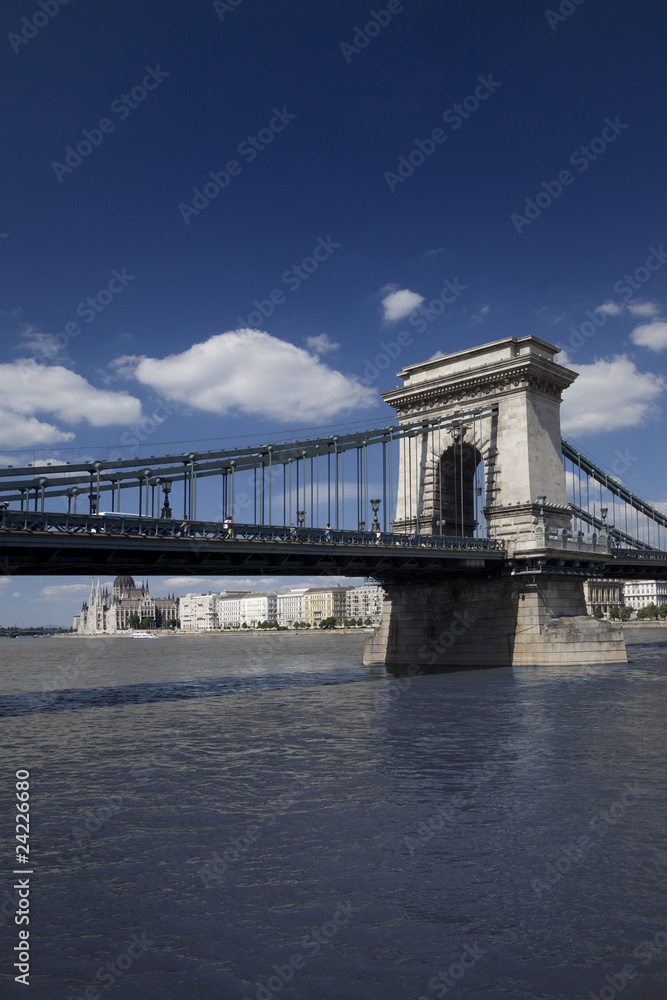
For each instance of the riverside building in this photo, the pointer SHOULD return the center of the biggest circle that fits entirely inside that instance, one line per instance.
(290, 606)
(642, 592)
(320, 603)
(127, 606)
(365, 602)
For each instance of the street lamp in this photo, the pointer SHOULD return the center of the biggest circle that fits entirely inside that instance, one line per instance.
(301, 518)
(375, 504)
(166, 489)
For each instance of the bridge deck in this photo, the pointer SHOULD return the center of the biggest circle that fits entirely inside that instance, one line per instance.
(35, 543)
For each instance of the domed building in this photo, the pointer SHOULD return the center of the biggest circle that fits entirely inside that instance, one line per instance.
(126, 607)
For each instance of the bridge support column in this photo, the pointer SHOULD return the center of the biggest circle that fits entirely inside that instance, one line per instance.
(536, 620)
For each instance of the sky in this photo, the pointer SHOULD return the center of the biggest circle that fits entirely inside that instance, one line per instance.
(220, 217)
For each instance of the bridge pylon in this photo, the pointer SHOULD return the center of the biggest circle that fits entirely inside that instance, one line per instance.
(499, 472)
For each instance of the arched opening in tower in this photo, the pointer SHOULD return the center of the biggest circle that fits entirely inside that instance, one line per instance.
(459, 491)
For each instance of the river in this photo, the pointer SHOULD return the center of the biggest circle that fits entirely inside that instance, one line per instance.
(219, 818)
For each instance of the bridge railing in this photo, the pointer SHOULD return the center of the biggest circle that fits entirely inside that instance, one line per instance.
(641, 555)
(128, 525)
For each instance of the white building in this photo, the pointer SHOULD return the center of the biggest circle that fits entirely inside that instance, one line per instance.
(642, 592)
(365, 602)
(229, 608)
(290, 606)
(198, 612)
(259, 608)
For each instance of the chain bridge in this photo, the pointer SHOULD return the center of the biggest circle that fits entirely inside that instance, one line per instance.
(479, 520)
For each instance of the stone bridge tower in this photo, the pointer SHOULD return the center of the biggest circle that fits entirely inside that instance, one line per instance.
(513, 447)
(498, 468)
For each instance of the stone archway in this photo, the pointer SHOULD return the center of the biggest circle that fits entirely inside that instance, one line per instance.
(458, 491)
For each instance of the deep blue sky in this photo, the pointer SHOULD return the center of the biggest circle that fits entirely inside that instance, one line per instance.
(326, 175)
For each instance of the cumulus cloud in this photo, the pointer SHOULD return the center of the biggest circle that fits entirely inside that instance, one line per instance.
(321, 344)
(251, 372)
(28, 388)
(610, 393)
(399, 304)
(637, 307)
(652, 335)
(609, 308)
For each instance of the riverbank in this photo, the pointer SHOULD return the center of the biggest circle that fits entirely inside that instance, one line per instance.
(216, 633)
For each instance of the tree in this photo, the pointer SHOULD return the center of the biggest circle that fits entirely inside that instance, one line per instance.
(626, 614)
(368, 622)
(597, 613)
(615, 612)
(328, 622)
(133, 620)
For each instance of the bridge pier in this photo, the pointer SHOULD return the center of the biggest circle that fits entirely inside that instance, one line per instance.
(536, 620)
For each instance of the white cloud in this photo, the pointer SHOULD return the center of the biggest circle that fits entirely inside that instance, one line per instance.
(251, 372)
(609, 309)
(43, 345)
(479, 317)
(321, 344)
(125, 366)
(610, 393)
(64, 591)
(28, 388)
(637, 307)
(652, 335)
(399, 304)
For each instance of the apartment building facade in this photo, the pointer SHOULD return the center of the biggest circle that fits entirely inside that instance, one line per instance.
(320, 603)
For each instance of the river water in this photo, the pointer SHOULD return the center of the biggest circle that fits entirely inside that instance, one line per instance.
(219, 818)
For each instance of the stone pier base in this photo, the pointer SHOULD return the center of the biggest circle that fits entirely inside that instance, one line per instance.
(499, 622)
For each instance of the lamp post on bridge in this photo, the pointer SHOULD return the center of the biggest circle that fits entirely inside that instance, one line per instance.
(301, 518)
(375, 504)
(604, 534)
(166, 489)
